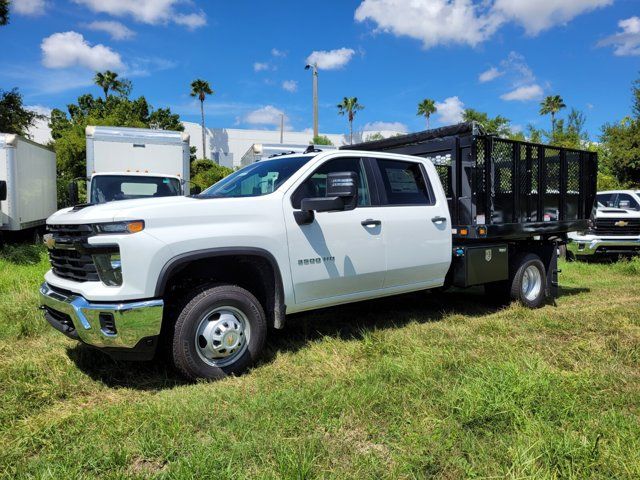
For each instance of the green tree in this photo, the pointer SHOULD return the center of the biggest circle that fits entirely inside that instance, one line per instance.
(200, 89)
(621, 150)
(551, 105)
(426, 108)
(372, 137)
(14, 118)
(163, 119)
(4, 12)
(109, 81)
(349, 107)
(321, 140)
(499, 125)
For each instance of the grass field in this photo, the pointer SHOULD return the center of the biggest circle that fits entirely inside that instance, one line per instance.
(419, 386)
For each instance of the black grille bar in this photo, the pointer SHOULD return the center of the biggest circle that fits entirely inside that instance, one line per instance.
(617, 226)
(71, 257)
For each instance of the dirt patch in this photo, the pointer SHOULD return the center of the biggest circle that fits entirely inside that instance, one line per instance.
(146, 467)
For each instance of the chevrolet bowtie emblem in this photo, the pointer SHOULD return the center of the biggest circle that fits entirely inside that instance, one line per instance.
(621, 223)
(49, 241)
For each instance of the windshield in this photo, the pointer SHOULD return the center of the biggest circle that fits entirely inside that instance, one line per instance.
(256, 179)
(109, 188)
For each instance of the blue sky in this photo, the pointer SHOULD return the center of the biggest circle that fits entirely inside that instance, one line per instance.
(388, 53)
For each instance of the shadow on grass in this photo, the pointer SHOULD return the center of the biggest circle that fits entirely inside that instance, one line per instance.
(347, 322)
(156, 375)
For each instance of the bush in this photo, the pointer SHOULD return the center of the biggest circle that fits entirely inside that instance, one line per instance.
(321, 140)
(205, 173)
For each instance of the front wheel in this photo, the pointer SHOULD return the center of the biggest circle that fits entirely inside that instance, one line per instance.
(220, 332)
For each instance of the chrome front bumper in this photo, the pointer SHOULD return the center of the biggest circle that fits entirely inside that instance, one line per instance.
(590, 245)
(110, 326)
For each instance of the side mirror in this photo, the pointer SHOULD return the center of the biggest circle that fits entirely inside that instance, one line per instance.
(195, 190)
(3, 190)
(72, 190)
(341, 194)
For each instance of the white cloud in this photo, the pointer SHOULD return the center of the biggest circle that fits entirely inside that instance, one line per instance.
(39, 109)
(268, 115)
(331, 59)
(450, 110)
(260, 67)
(70, 49)
(489, 75)
(117, 30)
(519, 70)
(290, 86)
(432, 22)
(626, 42)
(191, 20)
(29, 7)
(524, 93)
(278, 53)
(536, 16)
(154, 12)
(468, 22)
(385, 127)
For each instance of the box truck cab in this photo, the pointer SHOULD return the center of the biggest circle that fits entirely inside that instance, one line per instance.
(130, 163)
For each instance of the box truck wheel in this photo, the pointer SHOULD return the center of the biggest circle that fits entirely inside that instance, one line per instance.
(528, 283)
(220, 332)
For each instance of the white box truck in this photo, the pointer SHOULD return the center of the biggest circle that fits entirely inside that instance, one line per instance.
(127, 163)
(27, 184)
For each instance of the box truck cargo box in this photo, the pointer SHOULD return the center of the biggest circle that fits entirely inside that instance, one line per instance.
(28, 176)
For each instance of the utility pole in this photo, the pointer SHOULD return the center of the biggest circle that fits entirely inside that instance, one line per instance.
(281, 128)
(314, 70)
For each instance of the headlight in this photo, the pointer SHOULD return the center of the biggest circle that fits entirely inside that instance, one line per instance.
(109, 268)
(120, 227)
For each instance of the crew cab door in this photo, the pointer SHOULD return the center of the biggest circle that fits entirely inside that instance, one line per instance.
(339, 253)
(416, 223)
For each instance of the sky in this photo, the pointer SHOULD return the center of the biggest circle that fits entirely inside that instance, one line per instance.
(498, 56)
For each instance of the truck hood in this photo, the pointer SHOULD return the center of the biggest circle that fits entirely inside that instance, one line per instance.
(609, 212)
(120, 210)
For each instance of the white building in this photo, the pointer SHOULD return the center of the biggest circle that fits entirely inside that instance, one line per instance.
(228, 145)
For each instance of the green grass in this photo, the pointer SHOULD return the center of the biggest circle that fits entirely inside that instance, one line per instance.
(418, 386)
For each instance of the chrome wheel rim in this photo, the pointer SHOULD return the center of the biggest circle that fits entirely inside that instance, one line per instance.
(531, 283)
(222, 336)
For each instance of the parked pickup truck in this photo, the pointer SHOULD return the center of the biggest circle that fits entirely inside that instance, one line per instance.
(616, 230)
(207, 275)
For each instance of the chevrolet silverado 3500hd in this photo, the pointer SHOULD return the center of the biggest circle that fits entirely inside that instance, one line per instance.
(208, 274)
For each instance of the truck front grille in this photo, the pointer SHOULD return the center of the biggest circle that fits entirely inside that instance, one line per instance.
(617, 226)
(71, 255)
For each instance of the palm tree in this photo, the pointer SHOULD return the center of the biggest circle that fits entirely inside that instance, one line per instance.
(108, 80)
(350, 107)
(4, 12)
(200, 89)
(550, 106)
(426, 108)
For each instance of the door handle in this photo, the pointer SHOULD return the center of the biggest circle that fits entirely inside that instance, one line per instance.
(438, 219)
(370, 223)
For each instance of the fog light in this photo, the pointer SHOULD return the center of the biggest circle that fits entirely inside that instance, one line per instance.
(109, 268)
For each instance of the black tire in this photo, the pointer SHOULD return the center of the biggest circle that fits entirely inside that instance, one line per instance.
(521, 264)
(562, 251)
(184, 352)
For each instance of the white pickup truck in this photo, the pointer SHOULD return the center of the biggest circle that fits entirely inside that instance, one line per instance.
(208, 274)
(616, 229)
